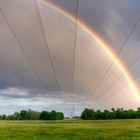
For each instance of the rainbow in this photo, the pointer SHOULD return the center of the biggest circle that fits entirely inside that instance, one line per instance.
(111, 53)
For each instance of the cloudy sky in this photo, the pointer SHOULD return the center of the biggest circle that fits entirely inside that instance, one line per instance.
(45, 64)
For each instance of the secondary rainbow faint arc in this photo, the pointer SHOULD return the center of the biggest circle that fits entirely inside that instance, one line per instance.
(101, 42)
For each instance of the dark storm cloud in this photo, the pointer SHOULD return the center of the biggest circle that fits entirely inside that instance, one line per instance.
(69, 5)
(111, 19)
(21, 92)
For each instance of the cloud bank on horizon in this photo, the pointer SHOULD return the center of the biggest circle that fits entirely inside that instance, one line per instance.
(37, 64)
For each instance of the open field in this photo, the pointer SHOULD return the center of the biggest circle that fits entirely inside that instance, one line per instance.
(70, 130)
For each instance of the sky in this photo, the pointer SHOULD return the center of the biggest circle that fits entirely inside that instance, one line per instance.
(48, 62)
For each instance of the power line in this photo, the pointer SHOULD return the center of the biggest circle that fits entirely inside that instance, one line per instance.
(131, 47)
(106, 91)
(20, 46)
(121, 49)
(135, 61)
(46, 45)
(136, 77)
(75, 45)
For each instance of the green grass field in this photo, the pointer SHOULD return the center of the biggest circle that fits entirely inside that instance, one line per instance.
(70, 130)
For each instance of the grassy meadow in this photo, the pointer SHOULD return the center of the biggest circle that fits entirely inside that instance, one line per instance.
(70, 130)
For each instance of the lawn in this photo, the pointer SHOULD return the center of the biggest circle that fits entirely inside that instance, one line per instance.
(70, 130)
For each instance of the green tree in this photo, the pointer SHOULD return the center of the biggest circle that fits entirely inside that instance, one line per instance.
(33, 115)
(3, 117)
(60, 116)
(53, 115)
(88, 114)
(138, 112)
(23, 115)
(17, 116)
(44, 115)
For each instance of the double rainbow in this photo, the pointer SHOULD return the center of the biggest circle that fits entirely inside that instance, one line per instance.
(111, 53)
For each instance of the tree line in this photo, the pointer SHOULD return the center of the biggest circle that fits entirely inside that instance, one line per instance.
(33, 115)
(120, 113)
(87, 114)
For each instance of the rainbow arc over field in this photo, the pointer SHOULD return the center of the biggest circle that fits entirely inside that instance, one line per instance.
(111, 53)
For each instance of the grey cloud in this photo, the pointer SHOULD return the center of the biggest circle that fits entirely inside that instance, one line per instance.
(33, 76)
